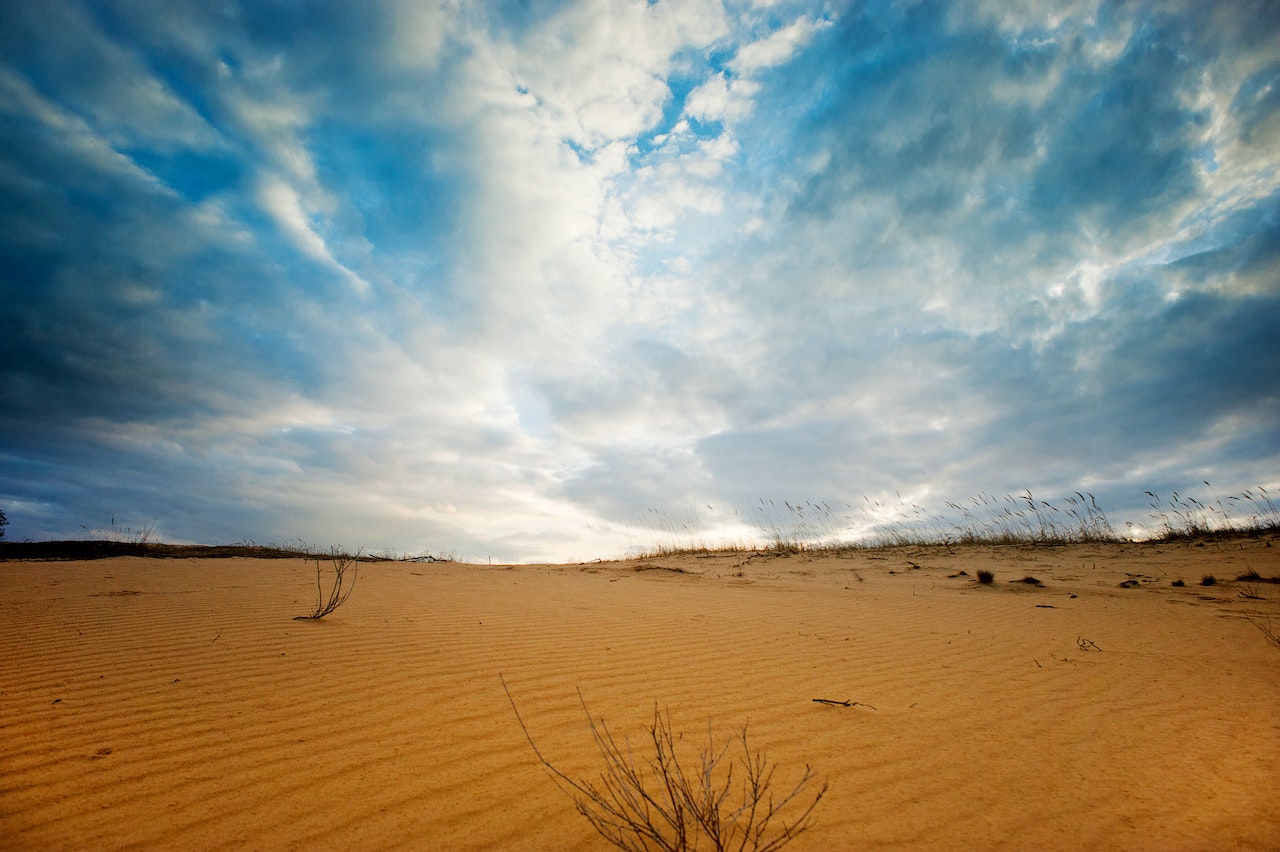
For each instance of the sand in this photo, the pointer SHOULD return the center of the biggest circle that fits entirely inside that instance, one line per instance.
(175, 703)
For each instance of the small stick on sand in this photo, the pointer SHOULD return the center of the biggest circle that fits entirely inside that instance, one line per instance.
(833, 703)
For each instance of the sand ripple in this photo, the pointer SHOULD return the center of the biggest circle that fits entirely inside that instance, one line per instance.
(175, 703)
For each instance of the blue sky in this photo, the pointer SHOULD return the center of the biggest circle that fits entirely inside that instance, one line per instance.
(551, 280)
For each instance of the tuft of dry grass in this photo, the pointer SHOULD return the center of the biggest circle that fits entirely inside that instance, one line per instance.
(1268, 631)
(1254, 577)
(1251, 592)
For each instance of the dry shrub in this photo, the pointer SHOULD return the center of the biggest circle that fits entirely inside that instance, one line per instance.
(654, 802)
(345, 575)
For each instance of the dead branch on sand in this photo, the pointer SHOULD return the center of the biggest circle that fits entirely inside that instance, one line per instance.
(834, 703)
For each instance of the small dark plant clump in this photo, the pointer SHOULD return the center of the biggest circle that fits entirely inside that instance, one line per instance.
(1179, 583)
(1208, 580)
(345, 574)
(1255, 577)
(985, 577)
(1029, 580)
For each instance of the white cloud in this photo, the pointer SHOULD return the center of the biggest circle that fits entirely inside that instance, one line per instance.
(19, 98)
(111, 87)
(284, 205)
(729, 96)
(281, 201)
(777, 48)
(599, 68)
(721, 99)
(418, 29)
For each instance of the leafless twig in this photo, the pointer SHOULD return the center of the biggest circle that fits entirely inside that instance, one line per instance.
(833, 703)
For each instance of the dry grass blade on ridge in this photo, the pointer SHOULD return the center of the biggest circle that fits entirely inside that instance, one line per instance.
(785, 526)
(669, 808)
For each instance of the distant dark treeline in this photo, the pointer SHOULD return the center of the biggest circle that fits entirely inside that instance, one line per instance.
(66, 550)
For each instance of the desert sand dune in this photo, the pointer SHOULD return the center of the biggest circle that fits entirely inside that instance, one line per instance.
(154, 703)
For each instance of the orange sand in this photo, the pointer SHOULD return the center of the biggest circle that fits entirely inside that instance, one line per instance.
(176, 704)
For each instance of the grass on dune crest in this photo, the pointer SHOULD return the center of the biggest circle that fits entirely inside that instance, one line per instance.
(783, 527)
(104, 549)
(1017, 519)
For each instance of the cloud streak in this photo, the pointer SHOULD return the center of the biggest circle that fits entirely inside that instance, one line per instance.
(514, 280)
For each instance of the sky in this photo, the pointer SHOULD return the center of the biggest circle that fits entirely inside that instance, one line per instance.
(530, 281)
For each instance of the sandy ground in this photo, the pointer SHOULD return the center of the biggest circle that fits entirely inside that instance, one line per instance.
(176, 703)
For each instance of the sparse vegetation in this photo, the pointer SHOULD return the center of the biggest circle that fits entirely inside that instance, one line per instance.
(1186, 517)
(1208, 580)
(4, 522)
(985, 577)
(142, 535)
(1255, 577)
(1251, 592)
(1267, 630)
(1019, 519)
(345, 574)
(656, 803)
(122, 534)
